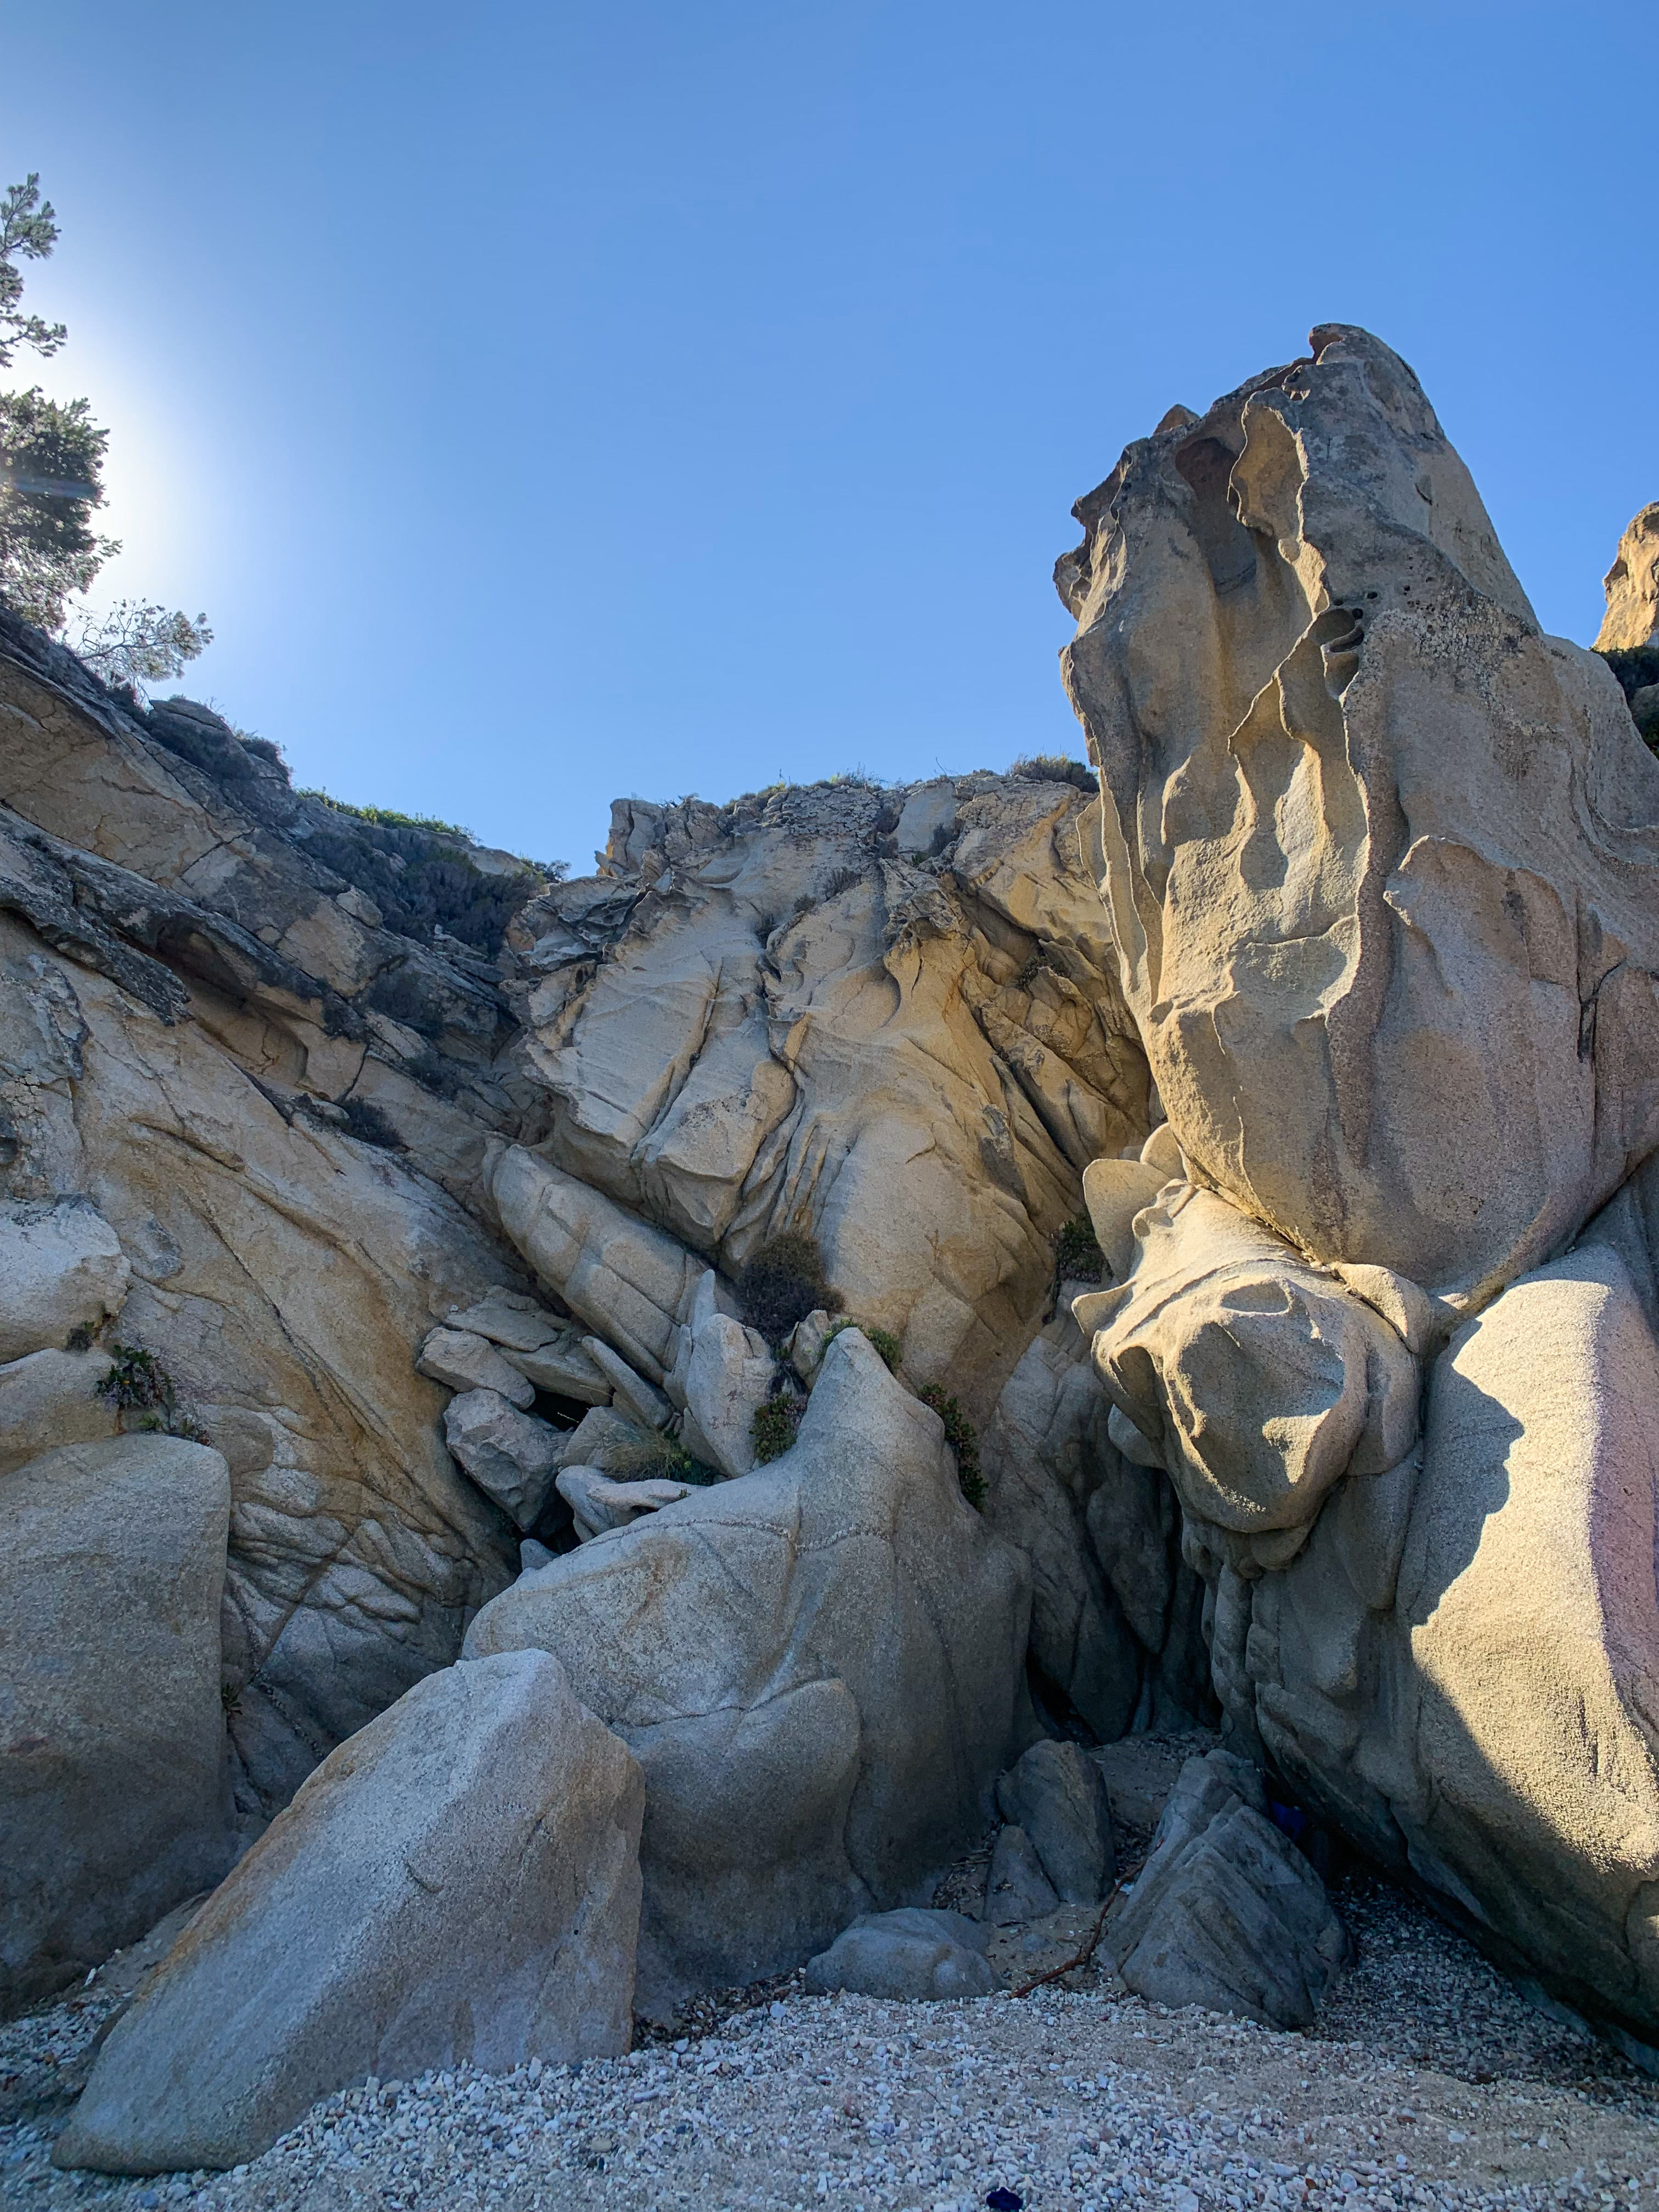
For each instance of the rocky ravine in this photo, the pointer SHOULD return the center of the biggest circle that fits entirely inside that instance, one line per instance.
(589, 1424)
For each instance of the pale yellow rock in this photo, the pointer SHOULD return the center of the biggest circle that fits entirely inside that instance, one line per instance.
(1381, 859)
(1632, 585)
(52, 1397)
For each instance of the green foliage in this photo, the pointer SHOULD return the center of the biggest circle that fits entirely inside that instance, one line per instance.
(1637, 667)
(368, 1124)
(658, 1457)
(963, 1440)
(136, 643)
(389, 818)
(1053, 767)
(880, 1339)
(419, 876)
(48, 547)
(776, 1425)
(137, 1381)
(782, 1283)
(51, 459)
(1078, 1257)
(28, 231)
(844, 879)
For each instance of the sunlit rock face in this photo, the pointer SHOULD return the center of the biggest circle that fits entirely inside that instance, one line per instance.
(1379, 855)
(1380, 859)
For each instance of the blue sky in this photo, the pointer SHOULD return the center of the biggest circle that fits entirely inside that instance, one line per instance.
(547, 402)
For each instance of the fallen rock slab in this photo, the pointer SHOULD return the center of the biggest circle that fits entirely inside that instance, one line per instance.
(458, 1883)
(113, 1810)
(915, 1952)
(596, 1503)
(511, 1456)
(1057, 1795)
(1227, 1913)
(462, 1361)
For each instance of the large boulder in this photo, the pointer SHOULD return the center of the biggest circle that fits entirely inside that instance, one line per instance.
(1461, 1668)
(1381, 858)
(1227, 1914)
(819, 1666)
(114, 1808)
(457, 1885)
(1057, 1795)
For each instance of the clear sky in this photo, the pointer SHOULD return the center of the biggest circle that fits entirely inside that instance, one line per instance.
(547, 401)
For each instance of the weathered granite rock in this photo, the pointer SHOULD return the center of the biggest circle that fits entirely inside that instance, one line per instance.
(114, 1808)
(513, 1457)
(1227, 1914)
(771, 1017)
(1632, 586)
(818, 1666)
(1257, 1379)
(53, 1398)
(461, 1361)
(1056, 1795)
(723, 1375)
(1382, 859)
(61, 1268)
(910, 1955)
(1016, 1888)
(457, 1885)
(1116, 1613)
(598, 1504)
(1460, 1668)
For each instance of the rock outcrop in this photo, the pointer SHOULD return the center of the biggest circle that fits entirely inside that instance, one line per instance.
(1632, 585)
(1380, 856)
(112, 1570)
(1383, 864)
(818, 1668)
(910, 1955)
(459, 1884)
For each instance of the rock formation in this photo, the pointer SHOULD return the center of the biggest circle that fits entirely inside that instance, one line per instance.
(871, 1283)
(1632, 585)
(1383, 861)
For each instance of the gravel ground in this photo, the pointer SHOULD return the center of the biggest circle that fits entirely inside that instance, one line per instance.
(1428, 2082)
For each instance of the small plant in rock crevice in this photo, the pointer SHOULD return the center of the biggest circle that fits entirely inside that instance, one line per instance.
(138, 1384)
(775, 1426)
(964, 1439)
(659, 1458)
(1077, 1256)
(880, 1339)
(368, 1123)
(782, 1283)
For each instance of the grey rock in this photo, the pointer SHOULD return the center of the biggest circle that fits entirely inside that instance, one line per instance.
(642, 1400)
(51, 1398)
(61, 1268)
(912, 1953)
(457, 1884)
(1017, 1889)
(564, 1368)
(533, 1557)
(512, 1457)
(820, 1666)
(112, 1569)
(1055, 1793)
(599, 1504)
(461, 1361)
(1227, 1913)
(1141, 1773)
(510, 1319)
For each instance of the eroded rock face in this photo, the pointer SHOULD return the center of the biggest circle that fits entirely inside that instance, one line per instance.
(1381, 859)
(1632, 587)
(114, 1808)
(1379, 855)
(818, 1666)
(782, 1015)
